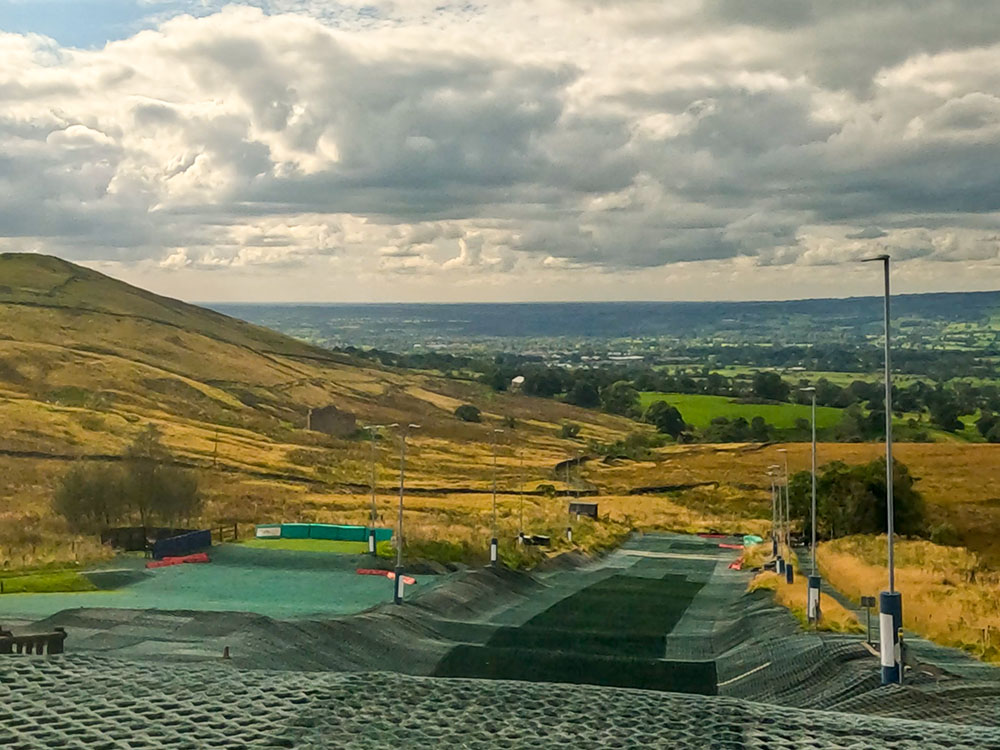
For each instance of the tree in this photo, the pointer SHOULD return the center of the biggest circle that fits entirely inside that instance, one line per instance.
(770, 386)
(144, 488)
(852, 499)
(666, 418)
(620, 398)
(584, 393)
(90, 496)
(760, 431)
(468, 413)
(944, 413)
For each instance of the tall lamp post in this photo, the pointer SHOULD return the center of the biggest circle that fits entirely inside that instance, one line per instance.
(789, 570)
(774, 514)
(812, 602)
(397, 588)
(779, 562)
(493, 542)
(374, 511)
(891, 601)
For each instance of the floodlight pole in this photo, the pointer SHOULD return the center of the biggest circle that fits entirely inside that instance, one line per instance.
(891, 601)
(494, 552)
(374, 511)
(813, 600)
(789, 570)
(520, 494)
(397, 589)
(774, 518)
(779, 563)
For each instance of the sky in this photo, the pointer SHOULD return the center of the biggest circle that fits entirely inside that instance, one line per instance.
(524, 150)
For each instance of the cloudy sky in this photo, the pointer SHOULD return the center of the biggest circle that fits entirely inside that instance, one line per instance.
(422, 150)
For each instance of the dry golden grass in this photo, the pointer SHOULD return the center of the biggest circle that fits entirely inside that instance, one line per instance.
(794, 597)
(947, 596)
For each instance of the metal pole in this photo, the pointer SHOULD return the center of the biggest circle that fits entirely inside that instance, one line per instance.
(397, 595)
(774, 518)
(520, 493)
(494, 547)
(891, 601)
(374, 512)
(814, 482)
(888, 436)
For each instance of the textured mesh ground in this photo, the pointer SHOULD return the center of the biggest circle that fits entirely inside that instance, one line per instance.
(173, 691)
(78, 702)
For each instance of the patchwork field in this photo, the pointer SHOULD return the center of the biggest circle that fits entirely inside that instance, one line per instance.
(700, 410)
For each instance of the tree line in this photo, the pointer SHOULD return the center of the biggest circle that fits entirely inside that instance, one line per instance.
(144, 489)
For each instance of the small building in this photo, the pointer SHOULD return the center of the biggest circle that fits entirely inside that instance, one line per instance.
(583, 509)
(332, 421)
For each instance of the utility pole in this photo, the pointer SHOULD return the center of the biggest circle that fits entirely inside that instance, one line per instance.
(397, 591)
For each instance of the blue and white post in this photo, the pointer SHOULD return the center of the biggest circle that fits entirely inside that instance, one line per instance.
(890, 602)
(890, 622)
(812, 603)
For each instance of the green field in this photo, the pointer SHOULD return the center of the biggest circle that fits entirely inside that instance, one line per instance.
(309, 545)
(700, 410)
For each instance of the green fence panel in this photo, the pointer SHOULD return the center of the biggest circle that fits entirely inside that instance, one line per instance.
(337, 532)
(295, 530)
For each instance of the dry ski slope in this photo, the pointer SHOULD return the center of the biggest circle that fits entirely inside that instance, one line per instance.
(547, 660)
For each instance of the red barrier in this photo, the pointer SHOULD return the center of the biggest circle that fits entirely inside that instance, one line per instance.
(731, 546)
(713, 536)
(197, 557)
(387, 573)
(736, 564)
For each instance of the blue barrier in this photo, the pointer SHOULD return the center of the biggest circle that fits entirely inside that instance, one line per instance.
(185, 544)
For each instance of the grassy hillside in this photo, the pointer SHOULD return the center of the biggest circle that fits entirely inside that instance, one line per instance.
(86, 362)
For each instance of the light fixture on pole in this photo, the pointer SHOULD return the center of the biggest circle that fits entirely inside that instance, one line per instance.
(494, 552)
(397, 581)
(373, 516)
(891, 601)
(813, 600)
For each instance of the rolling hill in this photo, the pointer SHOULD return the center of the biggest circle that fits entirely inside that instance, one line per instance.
(87, 361)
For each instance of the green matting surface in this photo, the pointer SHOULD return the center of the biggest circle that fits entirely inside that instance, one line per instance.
(240, 578)
(611, 632)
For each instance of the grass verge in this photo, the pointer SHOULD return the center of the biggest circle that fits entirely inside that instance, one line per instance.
(793, 596)
(309, 545)
(948, 595)
(47, 582)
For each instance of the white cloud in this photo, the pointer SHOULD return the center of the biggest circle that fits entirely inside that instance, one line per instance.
(422, 142)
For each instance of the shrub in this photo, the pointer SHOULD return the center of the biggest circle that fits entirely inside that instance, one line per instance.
(945, 534)
(569, 430)
(468, 413)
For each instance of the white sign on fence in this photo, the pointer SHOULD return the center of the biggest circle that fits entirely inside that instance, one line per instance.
(264, 532)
